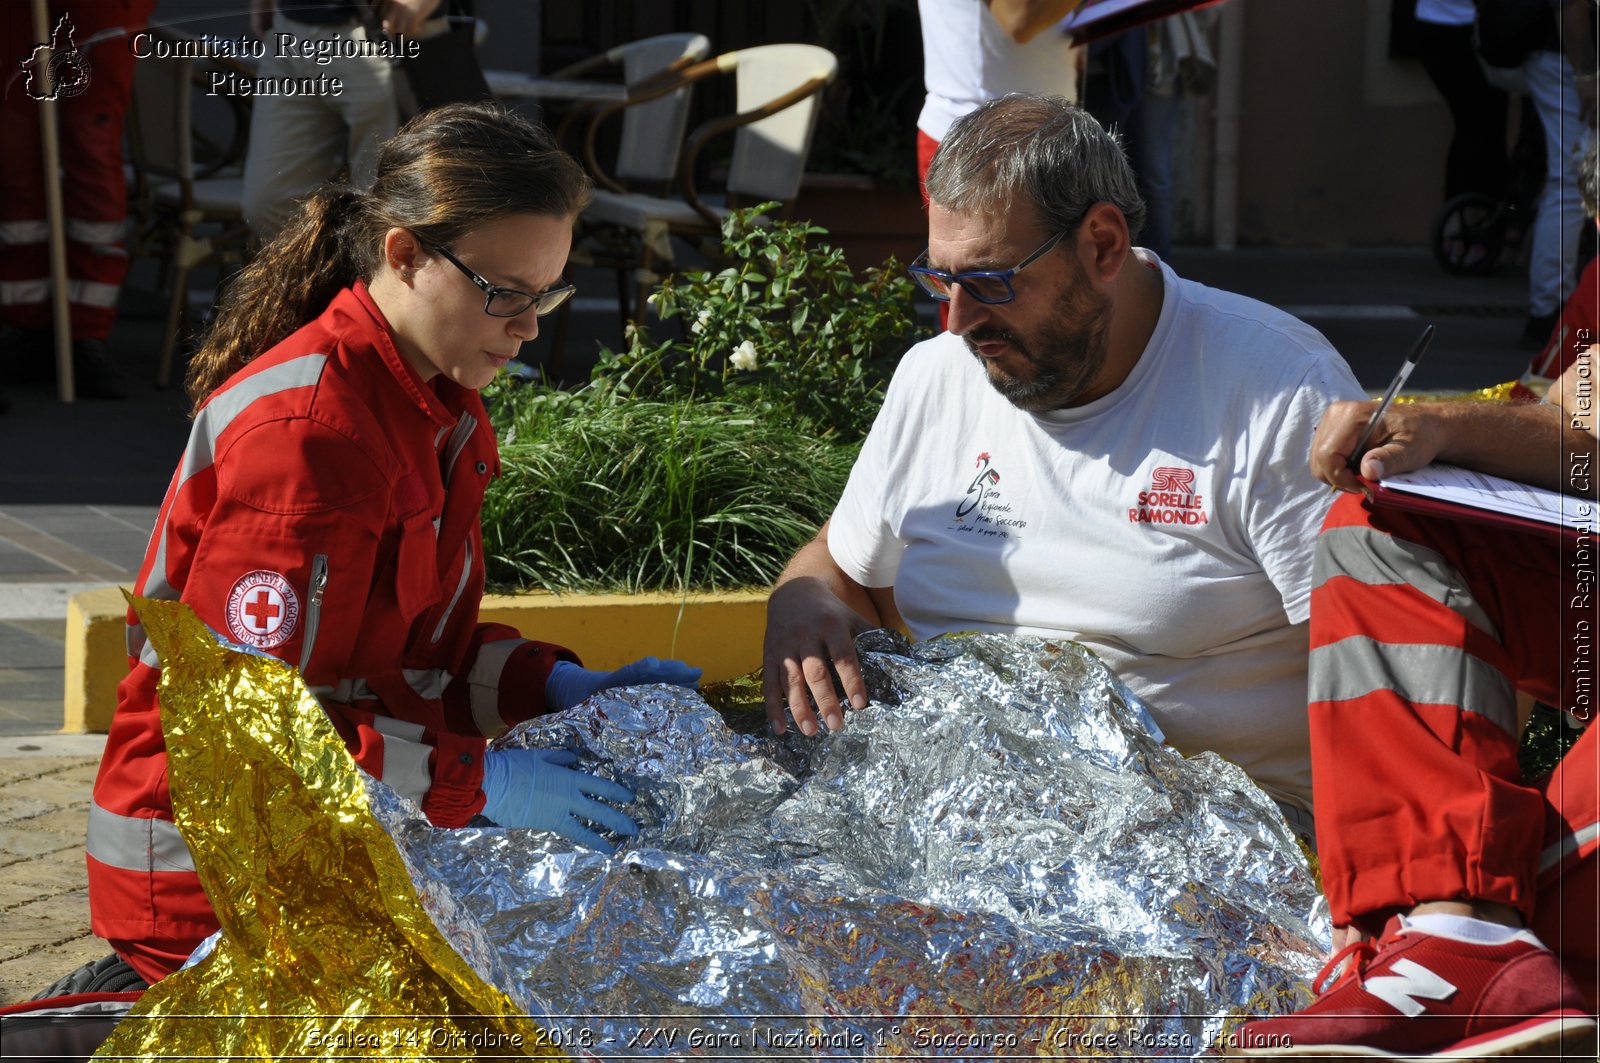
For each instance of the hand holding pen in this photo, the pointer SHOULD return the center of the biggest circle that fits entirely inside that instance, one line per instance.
(1349, 428)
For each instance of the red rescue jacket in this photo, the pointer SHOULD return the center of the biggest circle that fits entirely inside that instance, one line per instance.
(325, 511)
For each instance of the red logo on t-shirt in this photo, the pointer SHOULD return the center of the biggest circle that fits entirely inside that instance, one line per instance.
(263, 609)
(1170, 500)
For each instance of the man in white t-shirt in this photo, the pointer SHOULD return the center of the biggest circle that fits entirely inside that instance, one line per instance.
(1096, 450)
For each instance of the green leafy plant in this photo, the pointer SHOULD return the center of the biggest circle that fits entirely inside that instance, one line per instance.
(787, 330)
(1545, 740)
(702, 461)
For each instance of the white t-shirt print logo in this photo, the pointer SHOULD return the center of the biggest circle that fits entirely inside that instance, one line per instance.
(981, 510)
(1171, 499)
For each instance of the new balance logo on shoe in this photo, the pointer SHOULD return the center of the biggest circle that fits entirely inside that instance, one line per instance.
(1416, 995)
(1409, 981)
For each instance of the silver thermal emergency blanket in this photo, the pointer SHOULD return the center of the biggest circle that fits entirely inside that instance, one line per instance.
(997, 857)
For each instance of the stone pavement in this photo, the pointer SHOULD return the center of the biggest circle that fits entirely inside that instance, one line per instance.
(44, 788)
(77, 510)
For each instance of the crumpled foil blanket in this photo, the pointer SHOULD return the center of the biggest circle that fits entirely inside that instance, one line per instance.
(998, 857)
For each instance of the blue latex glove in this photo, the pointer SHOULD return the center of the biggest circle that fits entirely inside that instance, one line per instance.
(539, 788)
(570, 684)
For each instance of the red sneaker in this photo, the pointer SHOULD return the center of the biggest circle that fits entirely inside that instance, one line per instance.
(1420, 995)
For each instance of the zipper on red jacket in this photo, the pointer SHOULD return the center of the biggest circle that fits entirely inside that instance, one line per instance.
(319, 584)
(461, 585)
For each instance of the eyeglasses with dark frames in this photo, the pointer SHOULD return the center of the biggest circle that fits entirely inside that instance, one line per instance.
(509, 302)
(992, 286)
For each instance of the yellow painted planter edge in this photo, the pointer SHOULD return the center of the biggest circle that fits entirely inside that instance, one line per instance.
(720, 632)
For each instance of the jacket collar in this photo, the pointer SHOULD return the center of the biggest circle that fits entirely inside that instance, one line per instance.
(354, 310)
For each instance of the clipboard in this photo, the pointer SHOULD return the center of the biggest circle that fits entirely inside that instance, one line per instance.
(1451, 493)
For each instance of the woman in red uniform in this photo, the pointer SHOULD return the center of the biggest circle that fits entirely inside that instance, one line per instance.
(326, 508)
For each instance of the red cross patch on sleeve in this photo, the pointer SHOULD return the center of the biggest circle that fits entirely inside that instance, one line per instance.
(263, 609)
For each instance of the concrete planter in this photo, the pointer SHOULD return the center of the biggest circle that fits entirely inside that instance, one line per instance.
(720, 632)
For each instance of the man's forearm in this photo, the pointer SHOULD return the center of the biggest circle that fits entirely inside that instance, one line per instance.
(815, 561)
(1023, 20)
(1530, 442)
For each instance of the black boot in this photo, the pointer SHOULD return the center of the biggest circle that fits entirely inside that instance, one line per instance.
(93, 374)
(108, 974)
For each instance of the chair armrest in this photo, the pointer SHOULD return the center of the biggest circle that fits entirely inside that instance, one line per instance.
(718, 126)
(240, 106)
(679, 75)
(582, 66)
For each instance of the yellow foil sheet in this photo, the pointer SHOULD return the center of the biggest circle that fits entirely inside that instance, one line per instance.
(1496, 393)
(326, 951)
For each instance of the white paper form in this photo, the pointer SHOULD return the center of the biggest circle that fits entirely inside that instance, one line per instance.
(1480, 490)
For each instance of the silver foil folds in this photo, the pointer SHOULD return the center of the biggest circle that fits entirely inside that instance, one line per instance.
(998, 857)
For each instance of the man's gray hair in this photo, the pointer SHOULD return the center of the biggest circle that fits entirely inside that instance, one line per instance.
(1043, 149)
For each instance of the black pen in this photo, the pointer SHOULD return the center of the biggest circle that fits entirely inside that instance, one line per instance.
(1395, 385)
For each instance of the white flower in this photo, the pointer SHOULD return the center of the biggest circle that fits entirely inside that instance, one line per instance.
(629, 332)
(743, 356)
(700, 321)
(650, 300)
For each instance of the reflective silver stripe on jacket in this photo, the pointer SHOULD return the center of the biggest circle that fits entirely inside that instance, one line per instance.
(95, 232)
(136, 843)
(405, 757)
(24, 293)
(1422, 674)
(139, 646)
(200, 453)
(92, 293)
(28, 231)
(483, 684)
(1378, 560)
(1568, 845)
(427, 683)
(347, 691)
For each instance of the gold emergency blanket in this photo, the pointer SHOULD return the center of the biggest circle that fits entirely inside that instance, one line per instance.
(326, 950)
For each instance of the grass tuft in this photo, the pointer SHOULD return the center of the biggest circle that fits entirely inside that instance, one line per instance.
(602, 493)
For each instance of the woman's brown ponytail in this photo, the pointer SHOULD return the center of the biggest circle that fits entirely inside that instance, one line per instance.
(287, 284)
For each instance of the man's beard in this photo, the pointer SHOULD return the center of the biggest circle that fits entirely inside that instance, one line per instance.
(1065, 355)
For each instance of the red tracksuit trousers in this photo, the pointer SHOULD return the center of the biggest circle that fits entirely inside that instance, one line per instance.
(1422, 631)
(93, 185)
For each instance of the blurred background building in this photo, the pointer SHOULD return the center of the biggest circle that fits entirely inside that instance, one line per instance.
(1338, 142)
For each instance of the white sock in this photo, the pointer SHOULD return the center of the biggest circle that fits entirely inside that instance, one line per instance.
(1463, 927)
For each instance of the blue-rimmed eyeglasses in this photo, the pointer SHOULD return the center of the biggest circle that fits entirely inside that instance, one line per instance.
(990, 286)
(509, 302)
